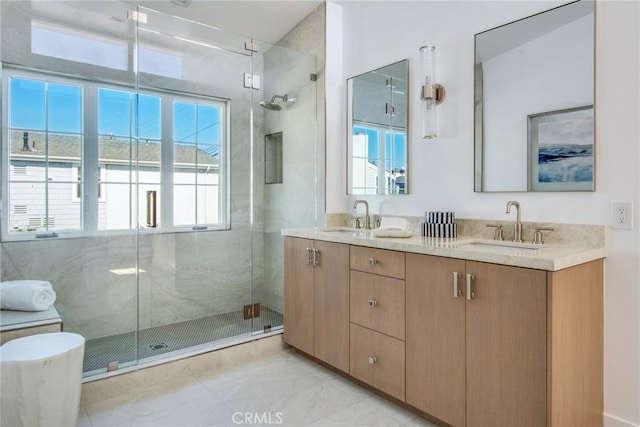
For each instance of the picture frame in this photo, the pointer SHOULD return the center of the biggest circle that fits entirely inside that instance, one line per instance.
(561, 150)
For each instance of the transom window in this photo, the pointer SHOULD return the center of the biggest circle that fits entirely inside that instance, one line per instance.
(83, 156)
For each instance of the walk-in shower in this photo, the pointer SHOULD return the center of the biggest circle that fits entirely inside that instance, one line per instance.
(118, 105)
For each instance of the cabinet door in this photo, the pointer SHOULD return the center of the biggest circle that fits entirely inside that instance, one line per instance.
(506, 347)
(332, 304)
(435, 338)
(298, 294)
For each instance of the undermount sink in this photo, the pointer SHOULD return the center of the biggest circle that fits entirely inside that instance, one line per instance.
(343, 230)
(502, 247)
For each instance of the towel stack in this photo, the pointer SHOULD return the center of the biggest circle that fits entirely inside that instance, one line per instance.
(393, 227)
(26, 295)
(440, 224)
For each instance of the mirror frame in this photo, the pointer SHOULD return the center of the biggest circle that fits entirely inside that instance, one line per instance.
(479, 120)
(350, 125)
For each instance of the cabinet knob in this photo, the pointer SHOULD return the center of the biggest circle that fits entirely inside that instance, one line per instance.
(372, 261)
(372, 303)
(372, 360)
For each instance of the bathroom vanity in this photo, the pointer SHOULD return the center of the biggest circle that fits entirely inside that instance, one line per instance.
(468, 331)
(18, 324)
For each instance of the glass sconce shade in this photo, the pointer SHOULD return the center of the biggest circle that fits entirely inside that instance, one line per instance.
(431, 94)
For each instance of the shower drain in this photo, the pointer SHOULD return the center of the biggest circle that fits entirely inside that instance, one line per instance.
(158, 346)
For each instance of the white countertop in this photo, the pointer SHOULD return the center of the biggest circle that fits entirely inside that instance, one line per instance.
(550, 257)
(13, 319)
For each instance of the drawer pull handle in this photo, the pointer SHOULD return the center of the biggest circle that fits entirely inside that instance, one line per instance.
(470, 293)
(372, 262)
(456, 287)
(372, 360)
(372, 303)
(309, 260)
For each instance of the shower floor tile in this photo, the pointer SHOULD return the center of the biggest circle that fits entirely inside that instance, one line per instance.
(174, 337)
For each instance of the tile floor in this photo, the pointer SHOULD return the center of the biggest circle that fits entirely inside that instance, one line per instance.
(279, 389)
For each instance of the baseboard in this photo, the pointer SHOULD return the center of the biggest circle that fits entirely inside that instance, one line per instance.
(611, 421)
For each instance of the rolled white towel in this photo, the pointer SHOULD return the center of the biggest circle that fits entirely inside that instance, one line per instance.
(391, 223)
(24, 295)
(393, 227)
(28, 282)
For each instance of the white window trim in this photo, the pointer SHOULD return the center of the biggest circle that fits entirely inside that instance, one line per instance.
(90, 120)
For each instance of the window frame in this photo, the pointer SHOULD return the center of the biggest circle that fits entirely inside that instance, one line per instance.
(90, 116)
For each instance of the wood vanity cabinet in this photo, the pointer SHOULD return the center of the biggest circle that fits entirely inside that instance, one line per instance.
(518, 347)
(316, 299)
(470, 343)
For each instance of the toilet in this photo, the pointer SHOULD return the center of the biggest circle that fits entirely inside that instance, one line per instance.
(41, 377)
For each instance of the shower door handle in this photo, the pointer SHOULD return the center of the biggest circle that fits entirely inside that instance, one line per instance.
(152, 216)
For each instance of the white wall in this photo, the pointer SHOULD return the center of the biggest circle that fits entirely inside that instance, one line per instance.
(441, 172)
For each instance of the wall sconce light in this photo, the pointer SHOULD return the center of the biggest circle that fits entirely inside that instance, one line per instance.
(431, 94)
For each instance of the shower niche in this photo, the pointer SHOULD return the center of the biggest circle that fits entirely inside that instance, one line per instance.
(273, 158)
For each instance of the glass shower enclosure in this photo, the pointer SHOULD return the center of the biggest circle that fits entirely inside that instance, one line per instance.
(162, 158)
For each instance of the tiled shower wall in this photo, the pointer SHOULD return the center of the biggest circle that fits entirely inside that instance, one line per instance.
(298, 201)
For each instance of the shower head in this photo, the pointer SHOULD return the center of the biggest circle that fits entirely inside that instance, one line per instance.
(272, 105)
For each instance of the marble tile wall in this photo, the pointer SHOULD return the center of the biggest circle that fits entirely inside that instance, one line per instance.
(299, 200)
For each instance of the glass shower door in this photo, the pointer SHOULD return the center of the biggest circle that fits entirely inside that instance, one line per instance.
(194, 184)
(285, 154)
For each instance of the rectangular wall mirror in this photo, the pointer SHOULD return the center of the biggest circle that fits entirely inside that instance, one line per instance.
(534, 98)
(377, 154)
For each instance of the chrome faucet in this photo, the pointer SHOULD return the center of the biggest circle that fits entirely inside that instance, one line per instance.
(517, 227)
(367, 220)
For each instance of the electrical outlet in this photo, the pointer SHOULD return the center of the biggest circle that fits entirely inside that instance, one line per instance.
(622, 215)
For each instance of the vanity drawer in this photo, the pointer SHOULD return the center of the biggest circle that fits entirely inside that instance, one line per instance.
(377, 360)
(377, 302)
(378, 261)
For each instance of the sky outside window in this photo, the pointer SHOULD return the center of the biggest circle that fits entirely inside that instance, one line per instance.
(64, 108)
(116, 114)
(207, 119)
(28, 108)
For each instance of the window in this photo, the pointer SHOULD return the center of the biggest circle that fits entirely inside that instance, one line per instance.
(74, 45)
(121, 116)
(45, 138)
(196, 163)
(64, 178)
